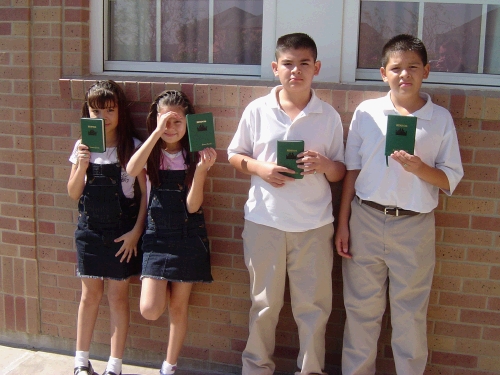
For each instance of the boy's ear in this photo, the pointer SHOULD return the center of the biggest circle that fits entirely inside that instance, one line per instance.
(427, 70)
(274, 66)
(382, 73)
(317, 67)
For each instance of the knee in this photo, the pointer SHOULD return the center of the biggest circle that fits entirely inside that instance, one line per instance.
(118, 301)
(150, 311)
(178, 311)
(91, 298)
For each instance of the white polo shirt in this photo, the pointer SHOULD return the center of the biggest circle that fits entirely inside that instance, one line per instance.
(299, 205)
(436, 144)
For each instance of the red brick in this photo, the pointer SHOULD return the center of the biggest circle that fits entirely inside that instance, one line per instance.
(491, 333)
(10, 312)
(480, 317)
(457, 330)
(451, 359)
(15, 14)
(5, 28)
(470, 237)
(490, 125)
(462, 300)
(20, 314)
(483, 255)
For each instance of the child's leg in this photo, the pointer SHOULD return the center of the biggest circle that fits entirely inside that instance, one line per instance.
(265, 258)
(411, 268)
(365, 286)
(154, 298)
(309, 265)
(92, 290)
(119, 315)
(178, 315)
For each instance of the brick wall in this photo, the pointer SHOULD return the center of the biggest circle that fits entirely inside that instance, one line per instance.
(43, 41)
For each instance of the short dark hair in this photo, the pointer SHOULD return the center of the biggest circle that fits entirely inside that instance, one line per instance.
(296, 41)
(403, 43)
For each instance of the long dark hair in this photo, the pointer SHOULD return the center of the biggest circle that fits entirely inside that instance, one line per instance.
(102, 94)
(169, 98)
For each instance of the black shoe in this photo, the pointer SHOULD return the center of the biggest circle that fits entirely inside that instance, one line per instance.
(88, 368)
(109, 373)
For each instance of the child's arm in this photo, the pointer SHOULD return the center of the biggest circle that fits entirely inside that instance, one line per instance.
(313, 162)
(195, 195)
(76, 182)
(269, 172)
(342, 234)
(413, 164)
(140, 157)
(130, 239)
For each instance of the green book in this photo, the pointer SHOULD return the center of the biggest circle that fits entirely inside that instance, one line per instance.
(287, 156)
(201, 131)
(93, 134)
(400, 135)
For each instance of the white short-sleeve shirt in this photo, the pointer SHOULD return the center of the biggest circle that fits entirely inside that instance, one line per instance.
(109, 157)
(299, 205)
(436, 144)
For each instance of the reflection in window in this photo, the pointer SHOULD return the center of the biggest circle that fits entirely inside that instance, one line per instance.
(492, 45)
(380, 21)
(450, 31)
(451, 34)
(132, 30)
(186, 31)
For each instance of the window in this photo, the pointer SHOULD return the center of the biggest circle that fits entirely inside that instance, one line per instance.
(184, 36)
(462, 37)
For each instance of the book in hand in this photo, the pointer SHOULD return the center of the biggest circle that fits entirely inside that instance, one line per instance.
(201, 131)
(400, 135)
(287, 156)
(93, 134)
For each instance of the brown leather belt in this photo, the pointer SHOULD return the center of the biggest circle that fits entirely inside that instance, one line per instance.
(388, 210)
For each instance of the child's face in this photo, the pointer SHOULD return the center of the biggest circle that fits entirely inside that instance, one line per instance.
(296, 69)
(404, 73)
(176, 126)
(109, 114)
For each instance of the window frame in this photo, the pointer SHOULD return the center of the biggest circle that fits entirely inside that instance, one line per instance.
(350, 49)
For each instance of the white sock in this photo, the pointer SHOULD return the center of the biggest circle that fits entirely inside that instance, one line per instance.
(81, 358)
(114, 365)
(167, 368)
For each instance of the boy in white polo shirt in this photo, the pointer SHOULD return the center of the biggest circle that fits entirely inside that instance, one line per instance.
(288, 222)
(386, 230)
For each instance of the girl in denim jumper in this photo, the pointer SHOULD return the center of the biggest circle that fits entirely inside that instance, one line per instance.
(112, 212)
(175, 244)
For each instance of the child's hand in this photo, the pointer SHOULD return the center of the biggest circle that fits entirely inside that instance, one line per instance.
(207, 159)
(410, 163)
(312, 162)
(271, 173)
(162, 120)
(83, 156)
(342, 241)
(129, 246)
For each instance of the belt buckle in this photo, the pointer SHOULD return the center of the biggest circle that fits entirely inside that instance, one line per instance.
(396, 209)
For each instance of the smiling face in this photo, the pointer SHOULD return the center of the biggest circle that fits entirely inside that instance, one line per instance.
(404, 73)
(175, 128)
(296, 68)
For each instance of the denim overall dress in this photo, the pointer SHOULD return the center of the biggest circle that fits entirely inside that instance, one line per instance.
(175, 243)
(105, 214)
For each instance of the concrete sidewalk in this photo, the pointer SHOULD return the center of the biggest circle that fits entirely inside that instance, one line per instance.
(19, 361)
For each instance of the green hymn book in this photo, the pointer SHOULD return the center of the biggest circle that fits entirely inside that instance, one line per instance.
(201, 131)
(400, 135)
(93, 134)
(287, 156)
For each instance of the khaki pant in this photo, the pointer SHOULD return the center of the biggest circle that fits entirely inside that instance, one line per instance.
(398, 252)
(307, 257)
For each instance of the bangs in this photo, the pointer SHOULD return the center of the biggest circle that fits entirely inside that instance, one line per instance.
(101, 99)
